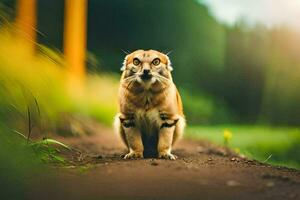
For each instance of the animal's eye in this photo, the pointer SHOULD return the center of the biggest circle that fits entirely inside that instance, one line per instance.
(136, 61)
(156, 61)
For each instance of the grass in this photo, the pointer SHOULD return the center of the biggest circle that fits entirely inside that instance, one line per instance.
(273, 145)
(35, 95)
(42, 78)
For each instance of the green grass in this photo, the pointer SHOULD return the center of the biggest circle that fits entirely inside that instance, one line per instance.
(41, 84)
(277, 146)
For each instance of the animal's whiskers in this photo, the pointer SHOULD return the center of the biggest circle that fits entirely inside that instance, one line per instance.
(129, 79)
(161, 79)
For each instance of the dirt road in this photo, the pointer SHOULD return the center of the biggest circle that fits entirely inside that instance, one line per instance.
(201, 171)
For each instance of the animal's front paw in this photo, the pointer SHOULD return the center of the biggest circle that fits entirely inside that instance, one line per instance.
(167, 156)
(133, 155)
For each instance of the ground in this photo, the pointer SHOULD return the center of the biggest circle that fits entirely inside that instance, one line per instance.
(96, 170)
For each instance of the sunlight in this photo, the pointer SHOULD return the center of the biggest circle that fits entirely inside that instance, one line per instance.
(268, 12)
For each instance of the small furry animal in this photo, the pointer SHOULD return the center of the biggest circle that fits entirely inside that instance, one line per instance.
(151, 116)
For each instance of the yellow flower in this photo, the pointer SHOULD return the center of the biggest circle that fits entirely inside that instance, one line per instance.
(227, 134)
(237, 150)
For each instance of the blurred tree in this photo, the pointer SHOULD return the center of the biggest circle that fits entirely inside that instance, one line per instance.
(75, 36)
(251, 70)
(243, 75)
(281, 97)
(26, 21)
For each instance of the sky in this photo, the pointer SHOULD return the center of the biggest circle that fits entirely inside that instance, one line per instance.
(268, 12)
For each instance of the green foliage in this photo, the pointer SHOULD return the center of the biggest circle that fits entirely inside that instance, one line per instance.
(252, 71)
(46, 151)
(18, 164)
(36, 88)
(203, 109)
(22, 160)
(279, 146)
(262, 74)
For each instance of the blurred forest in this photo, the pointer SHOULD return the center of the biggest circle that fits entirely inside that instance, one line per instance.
(240, 74)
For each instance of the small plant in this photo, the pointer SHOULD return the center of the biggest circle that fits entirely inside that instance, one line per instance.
(45, 149)
(227, 135)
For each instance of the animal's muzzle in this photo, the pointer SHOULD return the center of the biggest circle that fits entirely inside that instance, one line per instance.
(146, 74)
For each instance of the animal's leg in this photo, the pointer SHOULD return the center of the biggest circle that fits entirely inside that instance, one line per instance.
(165, 137)
(165, 143)
(170, 131)
(179, 129)
(133, 138)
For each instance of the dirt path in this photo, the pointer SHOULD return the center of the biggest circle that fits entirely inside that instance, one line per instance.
(201, 172)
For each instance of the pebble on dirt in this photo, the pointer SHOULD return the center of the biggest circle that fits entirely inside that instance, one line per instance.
(232, 183)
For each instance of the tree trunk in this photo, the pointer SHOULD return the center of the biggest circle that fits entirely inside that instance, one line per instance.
(75, 37)
(26, 22)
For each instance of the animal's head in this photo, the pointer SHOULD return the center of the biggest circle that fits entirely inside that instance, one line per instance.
(147, 68)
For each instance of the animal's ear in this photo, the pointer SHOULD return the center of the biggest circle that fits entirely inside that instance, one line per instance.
(169, 65)
(124, 64)
(123, 68)
(170, 68)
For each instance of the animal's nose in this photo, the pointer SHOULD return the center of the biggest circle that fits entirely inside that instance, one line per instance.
(146, 74)
(146, 71)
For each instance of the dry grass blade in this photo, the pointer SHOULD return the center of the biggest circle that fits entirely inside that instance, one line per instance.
(29, 124)
(20, 134)
(52, 141)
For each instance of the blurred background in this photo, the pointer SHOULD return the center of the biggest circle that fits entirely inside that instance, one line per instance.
(236, 64)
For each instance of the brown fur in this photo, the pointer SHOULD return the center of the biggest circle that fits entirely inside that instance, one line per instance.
(151, 113)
